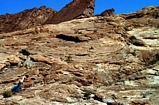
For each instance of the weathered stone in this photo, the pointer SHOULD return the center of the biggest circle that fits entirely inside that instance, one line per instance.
(40, 16)
(76, 9)
(82, 61)
(109, 12)
(140, 102)
(1, 97)
(25, 19)
(40, 58)
(154, 99)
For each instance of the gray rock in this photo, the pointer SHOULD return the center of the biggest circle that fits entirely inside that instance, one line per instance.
(1, 97)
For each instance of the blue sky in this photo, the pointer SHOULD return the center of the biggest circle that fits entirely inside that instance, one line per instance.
(120, 6)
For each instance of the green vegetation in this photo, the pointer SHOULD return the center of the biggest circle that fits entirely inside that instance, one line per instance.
(87, 95)
(132, 38)
(125, 97)
(154, 60)
(7, 93)
(123, 81)
(25, 52)
(70, 79)
(120, 103)
(26, 66)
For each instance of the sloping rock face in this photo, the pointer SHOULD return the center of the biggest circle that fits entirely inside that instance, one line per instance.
(102, 60)
(76, 9)
(35, 17)
(148, 16)
(25, 19)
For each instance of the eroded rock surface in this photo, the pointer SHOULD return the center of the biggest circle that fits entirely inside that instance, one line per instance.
(76, 9)
(101, 60)
(25, 19)
(40, 16)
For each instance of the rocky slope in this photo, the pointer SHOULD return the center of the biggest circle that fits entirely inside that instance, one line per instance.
(41, 16)
(25, 19)
(101, 60)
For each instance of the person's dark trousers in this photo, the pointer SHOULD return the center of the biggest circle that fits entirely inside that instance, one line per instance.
(17, 87)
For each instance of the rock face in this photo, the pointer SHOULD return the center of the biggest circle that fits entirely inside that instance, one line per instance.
(148, 16)
(35, 17)
(76, 9)
(109, 12)
(25, 19)
(101, 60)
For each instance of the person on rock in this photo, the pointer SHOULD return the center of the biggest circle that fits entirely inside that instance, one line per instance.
(17, 87)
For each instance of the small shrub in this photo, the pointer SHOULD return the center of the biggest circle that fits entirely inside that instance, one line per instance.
(154, 60)
(26, 66)
(70, 79)
(120, 103)
(61, 59)
(87, 95)
(7, 93)
(125, 97)
(133, 38)
(123, 81)
(25, 52)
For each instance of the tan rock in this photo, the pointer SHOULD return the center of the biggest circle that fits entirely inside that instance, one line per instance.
(82, 55)
(2, 66)
(14, 59)
(40, 58)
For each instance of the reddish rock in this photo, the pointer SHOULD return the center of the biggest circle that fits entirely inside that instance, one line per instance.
(76, 9)
(109, 12)
(43, 15)
(25, 19)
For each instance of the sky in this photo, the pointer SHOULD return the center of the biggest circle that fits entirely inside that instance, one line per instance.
(120, 6)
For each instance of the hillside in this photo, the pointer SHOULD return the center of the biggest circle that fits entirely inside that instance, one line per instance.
(99, 60)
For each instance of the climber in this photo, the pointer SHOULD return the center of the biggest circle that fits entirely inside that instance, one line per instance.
(17, 87)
